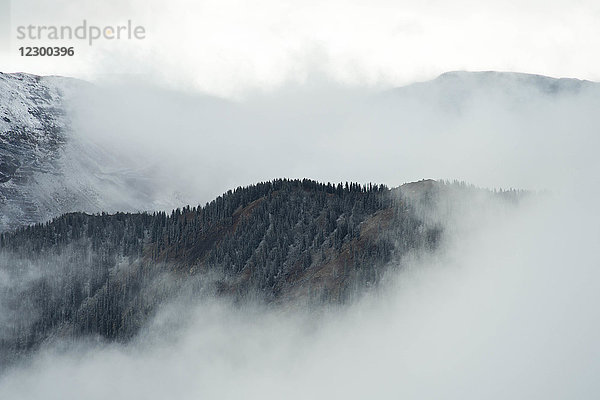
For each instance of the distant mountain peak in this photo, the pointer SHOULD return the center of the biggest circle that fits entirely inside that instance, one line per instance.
(511, 79)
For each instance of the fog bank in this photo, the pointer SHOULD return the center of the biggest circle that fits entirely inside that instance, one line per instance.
(494, 130)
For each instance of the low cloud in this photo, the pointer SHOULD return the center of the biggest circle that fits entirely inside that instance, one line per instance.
(492, 131)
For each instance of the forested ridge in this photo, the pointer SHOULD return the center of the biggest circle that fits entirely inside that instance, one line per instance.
(105, 275)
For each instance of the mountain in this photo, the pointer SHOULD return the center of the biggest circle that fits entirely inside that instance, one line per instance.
(458, 84)
(279, 242)
(458, 91)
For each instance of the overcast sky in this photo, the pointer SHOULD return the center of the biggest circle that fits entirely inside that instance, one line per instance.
(228, 47)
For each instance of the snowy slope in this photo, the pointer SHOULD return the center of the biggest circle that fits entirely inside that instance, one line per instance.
(47, 169)
(33, 129)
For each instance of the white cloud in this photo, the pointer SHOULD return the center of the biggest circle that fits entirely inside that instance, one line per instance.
(230, 47)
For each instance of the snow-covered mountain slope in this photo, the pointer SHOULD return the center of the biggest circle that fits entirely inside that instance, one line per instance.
(33, 129)
(47, 169)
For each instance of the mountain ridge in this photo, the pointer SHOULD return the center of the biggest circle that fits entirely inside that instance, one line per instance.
(280, 241)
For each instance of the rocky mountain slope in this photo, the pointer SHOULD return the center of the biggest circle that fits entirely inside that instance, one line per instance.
(33, 128)
(47, 168)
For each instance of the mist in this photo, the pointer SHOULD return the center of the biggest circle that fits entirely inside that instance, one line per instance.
(506, 308)
(493, 131)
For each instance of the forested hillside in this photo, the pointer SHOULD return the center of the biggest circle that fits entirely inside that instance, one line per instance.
(279, 241)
